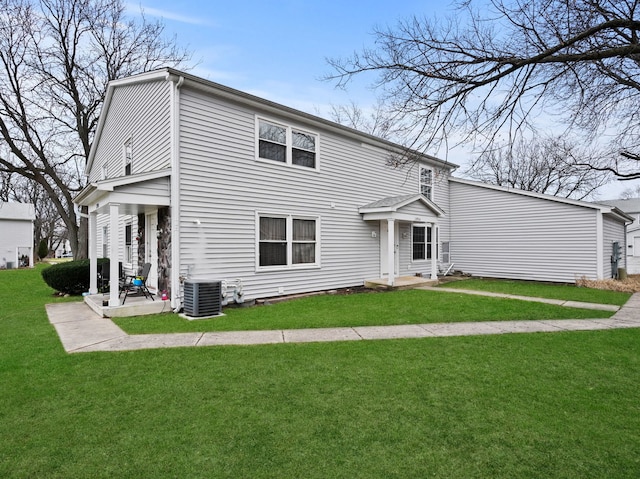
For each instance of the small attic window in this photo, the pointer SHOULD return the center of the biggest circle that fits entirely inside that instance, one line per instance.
(128, 156)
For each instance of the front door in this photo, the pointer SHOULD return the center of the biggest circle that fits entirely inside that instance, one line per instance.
(151, 249)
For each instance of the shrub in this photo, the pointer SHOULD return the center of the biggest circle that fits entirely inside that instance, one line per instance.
(71, 277)
(43, 249)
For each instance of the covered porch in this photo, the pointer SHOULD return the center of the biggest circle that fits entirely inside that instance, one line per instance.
(408, 227)
(129, 218)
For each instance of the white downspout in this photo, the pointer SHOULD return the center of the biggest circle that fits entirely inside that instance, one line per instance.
(435, 238)
(176, 303)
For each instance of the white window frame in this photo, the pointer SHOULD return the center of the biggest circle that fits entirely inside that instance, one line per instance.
(127, 154)
(128, 248)
(103, 173)
(289, 130)
(289, 239)
(105, 241)
(422, 184)
(427, 243)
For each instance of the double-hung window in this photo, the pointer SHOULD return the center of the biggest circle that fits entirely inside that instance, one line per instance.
(421, 240)
(287, 241)
(426, 182)
(286, 144)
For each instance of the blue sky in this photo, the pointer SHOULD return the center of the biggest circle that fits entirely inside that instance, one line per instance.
(277, 49)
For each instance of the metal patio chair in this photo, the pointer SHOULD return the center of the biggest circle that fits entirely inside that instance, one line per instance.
(137, 284)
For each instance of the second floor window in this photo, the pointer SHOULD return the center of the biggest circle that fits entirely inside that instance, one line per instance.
(426, 182)
(287, 145)
(128, 156)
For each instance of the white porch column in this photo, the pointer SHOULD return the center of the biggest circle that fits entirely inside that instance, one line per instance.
(391, 249)
(114, 287)
(434, 252)
(93, 254)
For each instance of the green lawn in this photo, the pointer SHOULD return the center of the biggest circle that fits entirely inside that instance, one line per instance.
(566, 292)
(362, 309)
(559, 405)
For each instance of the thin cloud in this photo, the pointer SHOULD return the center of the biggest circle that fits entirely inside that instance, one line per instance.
(167, 15)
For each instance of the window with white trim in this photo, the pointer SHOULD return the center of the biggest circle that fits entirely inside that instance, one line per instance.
(287, 241)
(421, 239)
(426, 182)
(128, 237)
(285, 144)
(105, 242)
(128, 156)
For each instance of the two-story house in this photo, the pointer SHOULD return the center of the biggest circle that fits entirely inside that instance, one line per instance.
(206, 182)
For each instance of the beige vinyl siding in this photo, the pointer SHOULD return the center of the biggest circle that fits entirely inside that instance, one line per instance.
(503, 234)
(140, 112)
(223, 188)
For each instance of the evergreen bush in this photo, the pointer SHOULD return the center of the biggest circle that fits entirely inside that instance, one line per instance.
(71, 277)
(43, 249)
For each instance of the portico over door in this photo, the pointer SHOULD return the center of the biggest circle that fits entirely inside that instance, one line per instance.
(406, 209)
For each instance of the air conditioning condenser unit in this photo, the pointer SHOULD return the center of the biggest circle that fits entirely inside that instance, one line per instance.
(202, 298)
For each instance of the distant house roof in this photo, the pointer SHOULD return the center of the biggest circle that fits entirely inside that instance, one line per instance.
(628, 206)
(17, 211)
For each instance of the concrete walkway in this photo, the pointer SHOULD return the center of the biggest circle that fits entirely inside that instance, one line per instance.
(82, 330)
(557, 302)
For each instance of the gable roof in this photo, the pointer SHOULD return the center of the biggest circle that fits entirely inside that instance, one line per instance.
(392, 204)
(252, 101)
(17, 211)
(605, 209)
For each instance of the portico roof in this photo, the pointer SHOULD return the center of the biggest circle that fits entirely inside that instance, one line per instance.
(414, 207)
(133, 192)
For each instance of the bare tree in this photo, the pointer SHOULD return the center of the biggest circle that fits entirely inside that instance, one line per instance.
(378, 121)
(483, 76)
(630, 193)
(56, 58)
(544, 165)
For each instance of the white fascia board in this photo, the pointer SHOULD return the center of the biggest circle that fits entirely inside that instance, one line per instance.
(381, 216)
(111, 184)
(393, 208)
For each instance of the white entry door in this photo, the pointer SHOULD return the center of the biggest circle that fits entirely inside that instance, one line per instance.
(151, 249)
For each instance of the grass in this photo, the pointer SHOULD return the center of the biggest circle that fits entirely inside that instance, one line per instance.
(362, 309)
(565, 292)
(560, 405)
